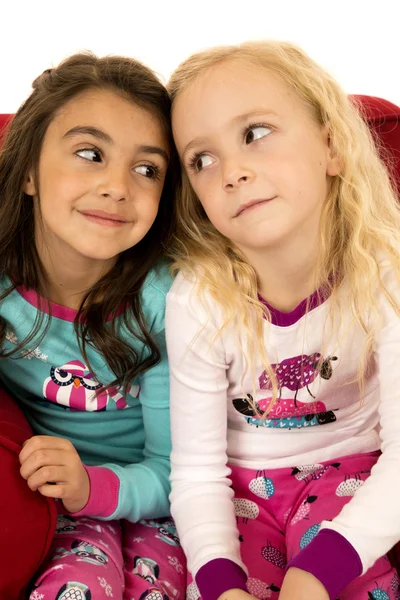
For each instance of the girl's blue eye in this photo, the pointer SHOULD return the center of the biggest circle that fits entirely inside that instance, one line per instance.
(256, 132)
(199, 162)
(91, 154)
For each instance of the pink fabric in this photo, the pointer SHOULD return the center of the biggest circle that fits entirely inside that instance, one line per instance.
(96, 560)
(343, 567)
(279, 513)
(59, 312)
(219, 576)
(104, 490)
(286, 319)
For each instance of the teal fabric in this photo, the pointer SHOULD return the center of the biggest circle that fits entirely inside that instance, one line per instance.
(131, 435)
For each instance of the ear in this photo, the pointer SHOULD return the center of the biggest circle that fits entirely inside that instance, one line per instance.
(29, 185)
(333, 166)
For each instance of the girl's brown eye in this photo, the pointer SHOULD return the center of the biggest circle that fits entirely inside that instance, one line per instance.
(148, 171)
(91, 154)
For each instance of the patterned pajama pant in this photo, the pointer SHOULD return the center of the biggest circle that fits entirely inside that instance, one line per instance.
(118, 560)
(280, 511)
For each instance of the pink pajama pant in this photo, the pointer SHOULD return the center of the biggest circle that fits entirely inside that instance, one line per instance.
(118, 560)
(280, 511)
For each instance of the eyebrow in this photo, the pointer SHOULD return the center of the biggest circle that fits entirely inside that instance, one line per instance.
(104, 137)
(97, 133)
(155, 150)
(260, 112)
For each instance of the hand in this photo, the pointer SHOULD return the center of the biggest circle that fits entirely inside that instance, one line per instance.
(301, 585)
(236, 594)
(52, 466)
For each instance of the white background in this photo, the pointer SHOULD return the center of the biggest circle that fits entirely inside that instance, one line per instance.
(357, 41)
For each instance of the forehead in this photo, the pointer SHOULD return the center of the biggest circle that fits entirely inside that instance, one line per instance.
(230, 89)
(109, 111)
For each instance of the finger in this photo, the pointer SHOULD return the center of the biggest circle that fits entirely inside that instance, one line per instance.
(52, 491)
(43, 458)
(47, 476)
(43, 442)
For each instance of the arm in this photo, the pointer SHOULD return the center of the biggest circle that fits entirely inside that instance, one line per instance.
(141, 490)
(369, 525)
(111, 491)
(201, 498)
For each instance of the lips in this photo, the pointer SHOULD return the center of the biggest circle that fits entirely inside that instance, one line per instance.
(246, 205)
(103, 218)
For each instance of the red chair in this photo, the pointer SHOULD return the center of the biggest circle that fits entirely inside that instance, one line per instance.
(4, 121)
(383, 117)
(27, 520)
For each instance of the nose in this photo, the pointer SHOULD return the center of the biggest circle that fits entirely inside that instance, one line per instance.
(235, 174)
(114, 183)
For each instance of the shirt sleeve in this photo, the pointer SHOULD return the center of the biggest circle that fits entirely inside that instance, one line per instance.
(141, 490)
(370, 522)
(145, 486)
(104, 493)
(201, 498)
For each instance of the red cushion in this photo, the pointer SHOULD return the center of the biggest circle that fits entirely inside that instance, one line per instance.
(384, 120)
(4, 120)
(27, 519)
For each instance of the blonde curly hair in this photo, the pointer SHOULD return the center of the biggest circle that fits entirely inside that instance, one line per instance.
(360, 217)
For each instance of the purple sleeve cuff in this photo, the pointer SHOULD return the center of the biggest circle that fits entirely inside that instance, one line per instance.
(219, 575)
(104, 490)
(331, 559)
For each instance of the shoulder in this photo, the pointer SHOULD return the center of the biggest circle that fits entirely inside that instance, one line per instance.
(154, 293)
(389, 272)
(183, 288)
(388, 291)
(184, 292)
(188, 298)
(157, 283)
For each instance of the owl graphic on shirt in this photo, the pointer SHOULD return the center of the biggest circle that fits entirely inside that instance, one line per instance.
(73, 386)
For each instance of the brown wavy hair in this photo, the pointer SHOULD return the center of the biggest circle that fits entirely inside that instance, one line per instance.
(19, 259)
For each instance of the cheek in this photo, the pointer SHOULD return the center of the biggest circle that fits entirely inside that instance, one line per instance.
(216, 216)
(208, 202)
(208, 191)
(205, 190)
(56, 201)
(306, 176)
(150, 206)
(59, 189)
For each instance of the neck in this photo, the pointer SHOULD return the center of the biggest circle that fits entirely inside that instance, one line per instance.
(286, 275)
(69, 275)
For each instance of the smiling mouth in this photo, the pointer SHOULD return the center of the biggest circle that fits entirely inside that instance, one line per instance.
(252, 203)
(103, 218)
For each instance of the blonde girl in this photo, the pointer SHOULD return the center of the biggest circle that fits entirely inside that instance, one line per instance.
(283, 333)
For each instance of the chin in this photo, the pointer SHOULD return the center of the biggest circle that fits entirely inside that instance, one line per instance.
(258, 244)
(100, 254)
(272, 237)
